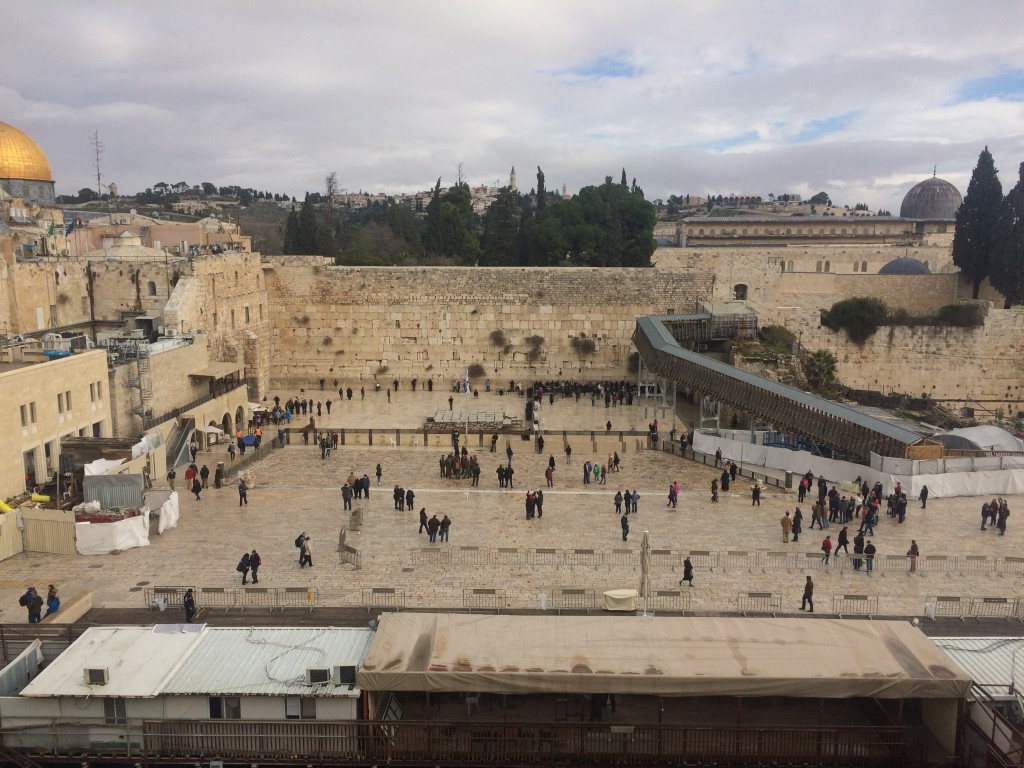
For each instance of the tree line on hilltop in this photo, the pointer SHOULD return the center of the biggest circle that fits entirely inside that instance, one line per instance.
(989, 237)
(611, 225)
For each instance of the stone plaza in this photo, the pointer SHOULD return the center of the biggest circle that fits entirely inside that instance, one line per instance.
(576, 546)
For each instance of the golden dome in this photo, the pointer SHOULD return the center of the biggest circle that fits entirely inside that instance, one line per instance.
(20, 157)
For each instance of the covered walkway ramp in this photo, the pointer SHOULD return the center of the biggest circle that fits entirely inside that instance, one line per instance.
(787, 408)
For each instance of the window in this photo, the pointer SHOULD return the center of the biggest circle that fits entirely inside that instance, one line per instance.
(296, 708)
(856, 266)
(225, 708)
(151, 288)
(85, 305)
(214, 319)
(261, 312)
(92, 392)
(246, 315)
(32, 413)
(739, 292)
(232, 319)
(828, 266)
(817, 267)
(60, 402)
(789, 266)
(114, 711)
(863, 266)
(67, 399)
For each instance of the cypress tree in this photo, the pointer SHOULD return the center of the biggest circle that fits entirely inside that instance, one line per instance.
(973, 241)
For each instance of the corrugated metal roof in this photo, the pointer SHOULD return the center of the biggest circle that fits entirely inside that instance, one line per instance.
(653, 327)
(138, 662)
(269, 661)
(995, 663)
(791, 218)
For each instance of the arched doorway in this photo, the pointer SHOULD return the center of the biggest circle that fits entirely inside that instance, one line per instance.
(739, 292)
(240, 421)
(225, 424)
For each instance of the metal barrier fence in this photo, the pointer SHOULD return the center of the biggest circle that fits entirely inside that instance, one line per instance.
(355, 520)
(998, 607)
(583, 557)
(564, 598)
(758, 602)
(1014, 565)
(492, 599)
(620, 557)
(161, 597)
(510, 555)
(974, 607)
(471, 555)
(383, 597)
(350, 555)
(855, 605)
(428, 555)
(702, 558)
(977, 564)
(234, 597)
(544, 557)
(669, 600)
(949, 605)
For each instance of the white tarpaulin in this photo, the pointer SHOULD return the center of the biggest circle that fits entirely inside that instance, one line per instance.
(168, 513)
(210, 430)
(664, 656)
(102, 466)
(996, 482)
(147, 444)
(104, 538)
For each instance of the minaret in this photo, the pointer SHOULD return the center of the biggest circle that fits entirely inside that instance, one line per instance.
(512, 180)
(565, 195)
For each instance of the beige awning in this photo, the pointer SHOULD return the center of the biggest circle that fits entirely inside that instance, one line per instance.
(663, 656)
(217, 371)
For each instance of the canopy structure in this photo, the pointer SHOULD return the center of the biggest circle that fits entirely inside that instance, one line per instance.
(217, 371)
(704, 656)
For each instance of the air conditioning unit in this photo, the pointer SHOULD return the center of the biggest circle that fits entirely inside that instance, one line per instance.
(97, 676)
(318, 676)
(343, 675)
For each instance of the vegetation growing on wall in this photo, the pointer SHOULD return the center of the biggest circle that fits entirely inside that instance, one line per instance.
(861, 317)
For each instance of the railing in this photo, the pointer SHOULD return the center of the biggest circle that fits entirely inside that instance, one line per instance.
(572, 599)
(758, 602)
(975, 607)
(231, 597)
(860, 605)
(383, 597)
(491, 599)
(504, 743)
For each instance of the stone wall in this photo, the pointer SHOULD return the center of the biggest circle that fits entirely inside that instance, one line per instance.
(955, 364)
(358, 323)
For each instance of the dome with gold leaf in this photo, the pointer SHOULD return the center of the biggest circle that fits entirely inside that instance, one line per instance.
(24, 169)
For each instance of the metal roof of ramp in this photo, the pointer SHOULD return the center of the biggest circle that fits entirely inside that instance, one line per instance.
(788, 408)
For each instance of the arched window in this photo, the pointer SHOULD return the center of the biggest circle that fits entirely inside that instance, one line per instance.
(856, 266)
(700, 231)
(863, 266)
(842, 231)
(739, 292)
(744, 232)
(828, 266)
(790, 266)
(817, 267)
(789, 231)
(151, 288)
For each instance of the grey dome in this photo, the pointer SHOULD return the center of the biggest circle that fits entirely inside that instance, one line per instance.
(932, 199)
(905, 266)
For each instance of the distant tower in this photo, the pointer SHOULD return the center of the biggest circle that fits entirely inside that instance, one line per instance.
(512, 180)
(565, 194)
(112, 186)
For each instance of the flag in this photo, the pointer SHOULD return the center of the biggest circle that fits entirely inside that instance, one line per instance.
(70, 227)
(467, 381)
(50, 232)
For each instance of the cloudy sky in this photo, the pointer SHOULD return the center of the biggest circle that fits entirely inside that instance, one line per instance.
(857, 99)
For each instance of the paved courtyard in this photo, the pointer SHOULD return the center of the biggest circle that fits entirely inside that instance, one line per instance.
(294, 490)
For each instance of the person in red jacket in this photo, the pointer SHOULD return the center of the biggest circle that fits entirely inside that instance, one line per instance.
(826, 550)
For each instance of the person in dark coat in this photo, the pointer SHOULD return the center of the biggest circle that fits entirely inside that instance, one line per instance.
(725, 481)
(423, 519)
(243, 567)
(197, 487)
(189, 604)
(409, 497)
(798, 521)
(432, 526)
(687, 572)
(255, 561)
(808, 596)
(624, 522)
(924, 497)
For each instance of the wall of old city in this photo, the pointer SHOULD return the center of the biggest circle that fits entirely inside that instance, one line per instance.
(367, 323)
(955, 364)
(30, 290)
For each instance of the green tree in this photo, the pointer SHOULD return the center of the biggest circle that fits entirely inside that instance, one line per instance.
(1008, 253)
(86, 195)
(976, 222)
(307, 240)
(821, 198)
(209, 188)
(291, 233)
(820, 370)
(449, 231)
(500, 241)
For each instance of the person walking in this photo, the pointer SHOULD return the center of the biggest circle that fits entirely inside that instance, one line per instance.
(189, 604)
(409, 498)
(243, 492)
(346, 497)
(443, 527)
(826, 550)
(913, 554)
(549, 476)
(808, 596)
(423, 519)
(842, 541)
(687, 572)
(568, 452)
(755, 494)
(299, 540)
(618, 502)
(433, 524)
(787, 527)
(204, 476)
(924, 496)
(624, 522)
(798, 521)
(306, 558)
(380, 473)
(197, 487)
(52, 601)
(858, 549)
(255, 561)
(636, 501)
(508, 453)
(171, 477)
(243, 566)
(714, 491)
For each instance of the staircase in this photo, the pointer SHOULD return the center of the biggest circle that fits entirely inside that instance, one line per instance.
(178, 442)
(15, 758)
(140, 381)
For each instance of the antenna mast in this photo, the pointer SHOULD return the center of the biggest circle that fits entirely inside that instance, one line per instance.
(97, 146)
